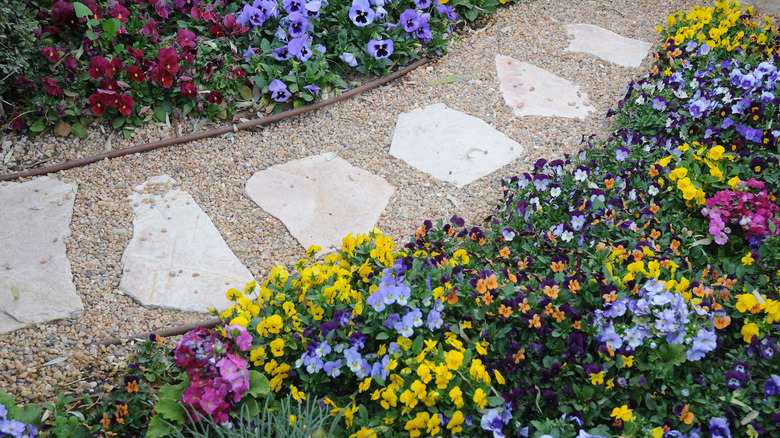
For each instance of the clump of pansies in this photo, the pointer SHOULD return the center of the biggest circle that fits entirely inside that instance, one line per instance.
(597, 279)
(129, 63)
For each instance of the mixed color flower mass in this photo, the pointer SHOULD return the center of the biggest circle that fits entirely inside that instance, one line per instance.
(135, 61)
(628, 290)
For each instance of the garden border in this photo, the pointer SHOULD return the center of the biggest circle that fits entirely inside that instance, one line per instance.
(214, 132)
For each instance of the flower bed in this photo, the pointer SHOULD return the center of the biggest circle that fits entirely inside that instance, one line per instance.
(630, 290)
(133, 61)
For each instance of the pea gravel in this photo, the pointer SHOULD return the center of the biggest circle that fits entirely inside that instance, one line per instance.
(359, 130)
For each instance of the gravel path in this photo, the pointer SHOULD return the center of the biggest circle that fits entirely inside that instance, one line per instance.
(359, 130)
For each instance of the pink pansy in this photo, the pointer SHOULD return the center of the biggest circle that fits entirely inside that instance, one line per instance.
(51, 54)
(186, 39)
(52, 88)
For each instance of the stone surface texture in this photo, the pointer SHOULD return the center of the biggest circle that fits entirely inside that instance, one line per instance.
(321, 199)
(533, 91)
(450, 145)
(177, 258)
(769, 7)
(607, 45)
(36, 284)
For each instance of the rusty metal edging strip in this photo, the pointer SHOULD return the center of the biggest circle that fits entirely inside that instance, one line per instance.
(214, 132)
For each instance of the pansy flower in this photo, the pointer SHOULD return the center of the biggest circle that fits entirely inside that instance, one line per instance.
(298, 24)
(97, 67)
(380, 49)
(299, 48)
(361, 13)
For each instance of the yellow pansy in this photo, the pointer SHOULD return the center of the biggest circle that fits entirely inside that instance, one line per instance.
(748, 331)
(622, 413)
(277, 347)
(746, 302)
(480, 398)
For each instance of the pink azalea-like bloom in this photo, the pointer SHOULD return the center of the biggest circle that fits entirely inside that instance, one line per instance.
(721, 238)
(210, 401)
(228, 370)
(244, 340)
(51, 54)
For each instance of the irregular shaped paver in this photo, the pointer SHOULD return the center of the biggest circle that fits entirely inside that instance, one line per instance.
(770, 7)
(177, 258)
(321, 199)
(533, 91)
(607, 45)
(450, 145)
(36, 283)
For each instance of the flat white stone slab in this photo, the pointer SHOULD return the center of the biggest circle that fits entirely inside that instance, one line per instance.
(770, 7)
(533, 91)
(36, 283)
(320, 199)
(177, 259)
(450, 145)
(607, 45)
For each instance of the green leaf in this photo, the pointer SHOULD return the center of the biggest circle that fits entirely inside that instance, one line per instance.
(382, 336)
(82, 10)
(91, 35)
(30, 414)
(78, 130)
(417, 345)
(495, 401)
(245, 92)
(38, 126)
(248, 407)
(159, 428)
(8, 401)
(110, 27)
(170, 410)
(174, 391)
(671, 355)
(258, 384)
(118, 122)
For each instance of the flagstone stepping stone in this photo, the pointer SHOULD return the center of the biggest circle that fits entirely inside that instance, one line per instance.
(533, 91)
(320, 199)
(771, 7)
(177, 259)
(36, 283)
(607, 45)
(450, 145)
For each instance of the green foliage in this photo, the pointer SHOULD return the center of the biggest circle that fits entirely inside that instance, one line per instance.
(17, 42)
(283, 419)
(28, 414)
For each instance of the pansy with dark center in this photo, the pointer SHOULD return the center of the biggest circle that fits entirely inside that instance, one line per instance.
(279, 91)
(409, 20)
(380, 49)
(298, 24)
(299, 47)
(361, 13)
